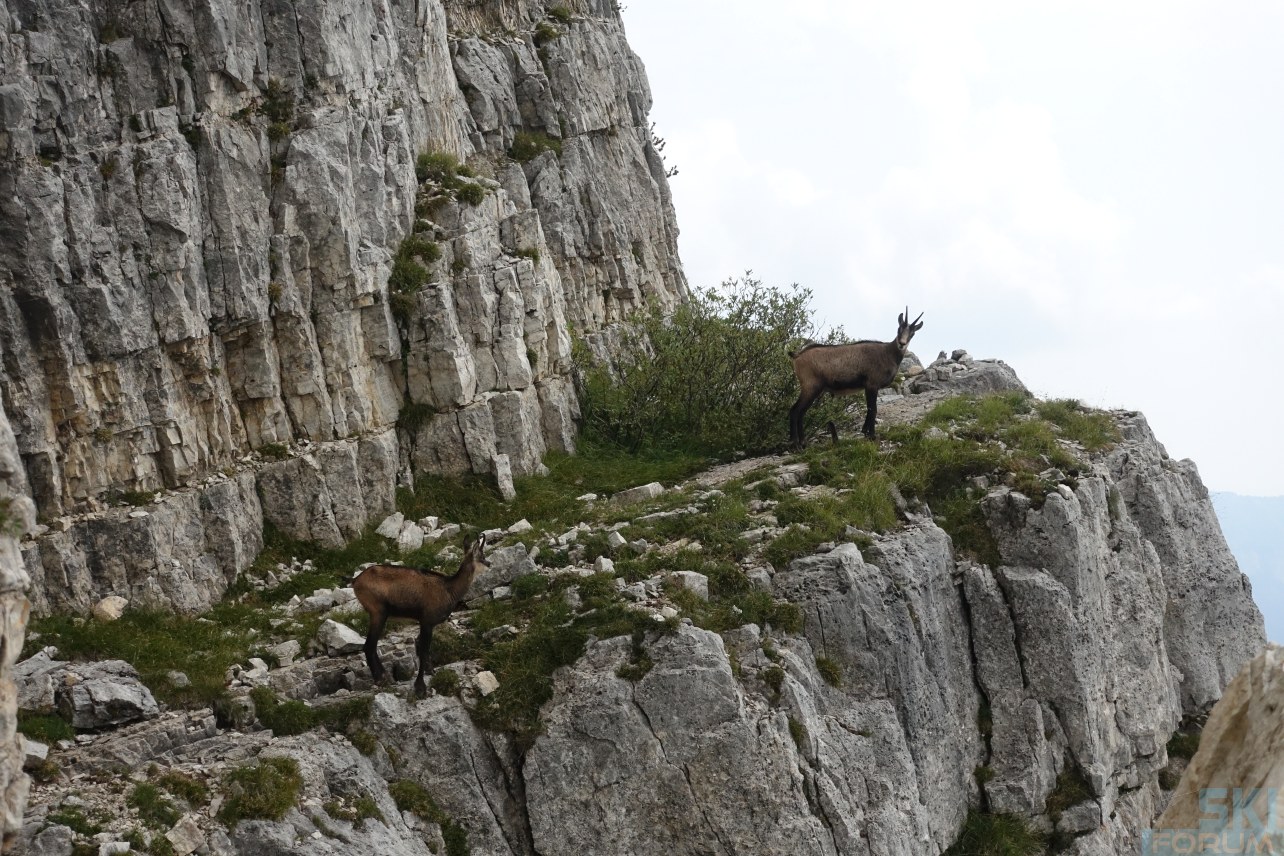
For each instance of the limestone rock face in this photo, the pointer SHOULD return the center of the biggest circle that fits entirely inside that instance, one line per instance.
(1211, 623)
(682, 749)
(205, 209)
(16, 518)
(1239, 748)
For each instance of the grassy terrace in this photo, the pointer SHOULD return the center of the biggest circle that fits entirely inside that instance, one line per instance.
(1001, 437)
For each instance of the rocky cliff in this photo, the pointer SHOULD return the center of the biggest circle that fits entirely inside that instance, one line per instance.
(210, 314)
(209, 290)
(914, 688)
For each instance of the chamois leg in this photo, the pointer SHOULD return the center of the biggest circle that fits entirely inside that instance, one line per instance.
(421, 648)
(797, 414)
(371, 647)
(833, 431)
(871, 411)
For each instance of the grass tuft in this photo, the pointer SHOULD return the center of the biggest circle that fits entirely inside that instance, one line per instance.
(265, 790)
(410, 796)
(996, 835)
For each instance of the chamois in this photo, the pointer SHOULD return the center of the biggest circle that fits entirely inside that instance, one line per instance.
(392, 591)
(847, 369)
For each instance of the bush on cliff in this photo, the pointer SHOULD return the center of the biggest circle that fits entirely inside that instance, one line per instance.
(713, 377)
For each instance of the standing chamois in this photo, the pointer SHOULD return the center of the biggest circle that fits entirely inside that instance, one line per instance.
(847, 369)
(392, 591)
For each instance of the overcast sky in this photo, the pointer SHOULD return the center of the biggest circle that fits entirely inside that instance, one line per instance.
(1092, 192)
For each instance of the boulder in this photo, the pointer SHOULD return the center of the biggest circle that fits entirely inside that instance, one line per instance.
(103, 695)
(110, 608)
(339, 639)
(640, 493)
(506, 564)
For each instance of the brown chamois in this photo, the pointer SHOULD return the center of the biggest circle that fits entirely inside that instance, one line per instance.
(393, 591)
(847, 369)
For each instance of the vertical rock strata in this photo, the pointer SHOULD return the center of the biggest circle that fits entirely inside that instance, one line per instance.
(15, 518)
(202, 204)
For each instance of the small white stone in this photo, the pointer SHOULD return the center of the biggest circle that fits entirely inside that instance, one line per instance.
(668, 612)
(33, 751)
(110, 608)
(694, 582)
(391, 525)
(429, 523)
(587, 497)
(136, 515)
(339, 638)
(603, 565)
(410, 538)
(502, 469)
(486, 683)
(615, 540)
(520, 526)
(185, 836)
(638, 494)
(501, 592)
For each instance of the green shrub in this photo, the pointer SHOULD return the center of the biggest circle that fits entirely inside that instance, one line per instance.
(712, 377)
(437, 167)
(278, 103)
(414, 415)
(275, 451)
(187, 788)
(408, 276)
(265, 790)
(471, 193)
(417, 246)
(529, 585)
(545, 33)
(996, 835)
(154, 809)
(410, 796)
(73, 818)
(774, 678)
(278, 131)
(1072, 788)
(640, 662)
(560, 13)
(1183, 745)
(45, 727)
(282, 718)
(528, 145)
(363, 808)
(445, 682)
(830, 671)
(798, 732)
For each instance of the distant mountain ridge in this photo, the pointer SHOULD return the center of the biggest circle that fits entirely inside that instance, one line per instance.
(1254, 529)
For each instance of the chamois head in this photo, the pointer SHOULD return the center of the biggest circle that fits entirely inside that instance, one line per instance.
(907, 329)
(474, 558)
